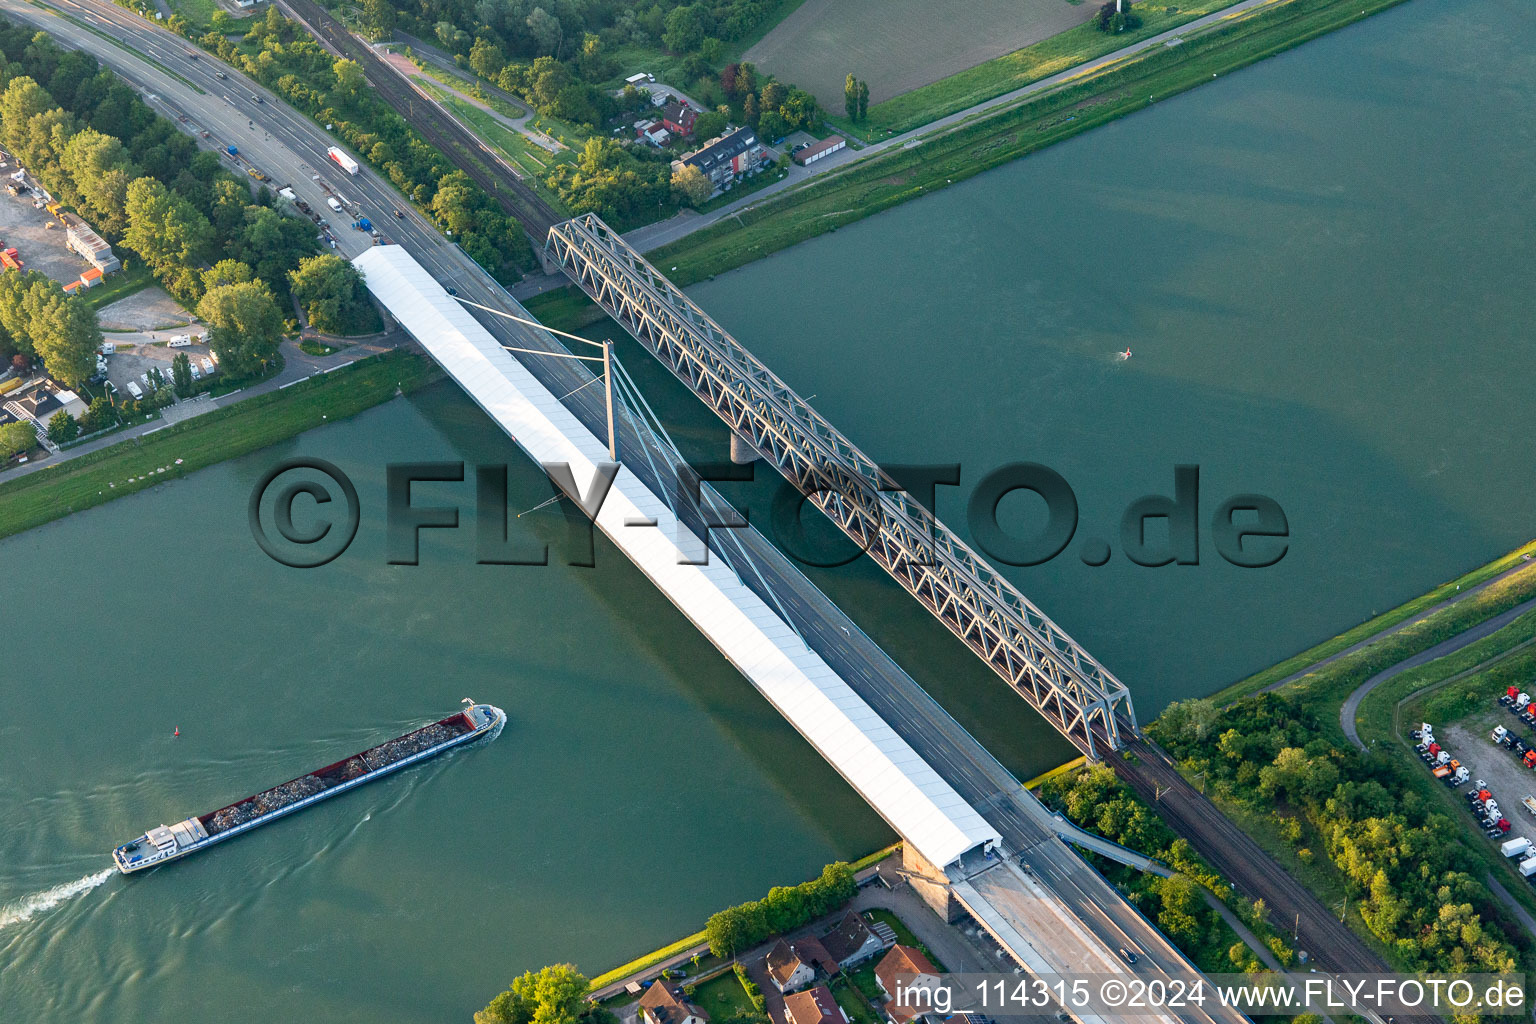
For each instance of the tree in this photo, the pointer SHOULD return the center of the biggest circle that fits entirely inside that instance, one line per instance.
(684, 29)
(101, 171)
(245, 327)
(550, 995)
(546, 30)
(16, 438)
(227, 272)
(851, 97)
(181, 375)
(485, 59)
(863, 100)
(772, 95)
(380, 16)
(709, 124)
(66, 334)
(164, 228)
(749, 111)
(692, 185)
(62, 428)
(332, 294)
(99, 416)
(350, 80)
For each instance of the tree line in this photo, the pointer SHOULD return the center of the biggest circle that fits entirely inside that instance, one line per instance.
(1095, 799)
(1403, 861)
(150, 189)
(737, 929)
(281, 55)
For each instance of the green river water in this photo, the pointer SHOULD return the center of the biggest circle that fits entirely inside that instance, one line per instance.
(1322, 267)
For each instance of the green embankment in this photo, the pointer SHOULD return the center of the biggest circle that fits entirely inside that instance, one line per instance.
(1061, 52)
(1373, 626)
(687, 942)
(131, 466)
(953, 154)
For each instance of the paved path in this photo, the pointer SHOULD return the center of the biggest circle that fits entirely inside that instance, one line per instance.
(1515, 906)
(653, 236)
(297, 364)
(1411, 621)
(1463, 639)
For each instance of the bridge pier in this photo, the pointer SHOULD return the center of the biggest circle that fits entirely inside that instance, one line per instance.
(931, 884)
(742, 452)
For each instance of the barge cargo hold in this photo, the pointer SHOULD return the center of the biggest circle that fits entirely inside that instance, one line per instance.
(172, 842)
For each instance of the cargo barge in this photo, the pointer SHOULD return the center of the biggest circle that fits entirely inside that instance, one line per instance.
(172, 842)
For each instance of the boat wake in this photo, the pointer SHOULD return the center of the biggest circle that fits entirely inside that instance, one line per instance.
(29, 907)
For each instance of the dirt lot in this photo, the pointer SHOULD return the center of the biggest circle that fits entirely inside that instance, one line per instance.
(898, 45)
(41, 248)
(1510, 783)
(144, 311)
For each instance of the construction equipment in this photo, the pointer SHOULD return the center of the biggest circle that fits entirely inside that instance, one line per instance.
(10, 259)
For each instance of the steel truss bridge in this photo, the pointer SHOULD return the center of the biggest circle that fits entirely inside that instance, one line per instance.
(1053, 672)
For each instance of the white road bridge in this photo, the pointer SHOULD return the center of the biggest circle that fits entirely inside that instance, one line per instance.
(992, 850)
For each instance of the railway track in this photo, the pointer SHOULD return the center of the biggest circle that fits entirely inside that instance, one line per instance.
(1243, 862)
(466, 152)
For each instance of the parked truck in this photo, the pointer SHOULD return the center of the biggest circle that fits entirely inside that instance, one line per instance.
(1515, 847)
(232, 150)
(1457, 777)
(341, 159)
(1498, 734)
(1530, 804)
(1528, 867)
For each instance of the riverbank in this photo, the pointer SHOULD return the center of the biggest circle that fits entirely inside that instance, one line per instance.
(657, 960)
(174, 451)
(961, 151)
(1459, 589)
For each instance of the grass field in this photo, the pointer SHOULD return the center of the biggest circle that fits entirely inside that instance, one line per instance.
(175, 451)
(535, 161)
(866, 187)
(120, 285)
(899, 45)
(1074, 45)
(198, 12)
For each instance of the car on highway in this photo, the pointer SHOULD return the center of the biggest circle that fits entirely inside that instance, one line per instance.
(1127, 955)
(219, 74)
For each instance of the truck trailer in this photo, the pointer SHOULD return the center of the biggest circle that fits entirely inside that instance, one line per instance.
(342, 160)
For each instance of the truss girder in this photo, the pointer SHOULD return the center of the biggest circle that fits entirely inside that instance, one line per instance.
(1054, 673)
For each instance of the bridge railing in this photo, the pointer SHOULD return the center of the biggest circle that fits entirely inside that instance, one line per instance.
(1053, 672)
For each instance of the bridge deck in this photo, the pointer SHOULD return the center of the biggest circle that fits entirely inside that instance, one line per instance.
(878, 763)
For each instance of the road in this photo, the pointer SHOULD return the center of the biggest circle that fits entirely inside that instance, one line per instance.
(1351, 707)
(281, 138)
(470, 155)
(654, 236)
(1412, 620)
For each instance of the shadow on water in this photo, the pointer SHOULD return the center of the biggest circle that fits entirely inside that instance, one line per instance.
(653, 624)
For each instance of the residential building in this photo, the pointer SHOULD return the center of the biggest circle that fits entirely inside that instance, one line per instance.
(816, 151)
(663, 1003)
(897, 970)
(89, 244)
(813, 1006)
(852, 941)
(786, 969)
(46, 400)
(722, 159)
(654, 132)
(679, 117)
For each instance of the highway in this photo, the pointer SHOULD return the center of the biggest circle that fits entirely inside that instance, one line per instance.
(1073, 919)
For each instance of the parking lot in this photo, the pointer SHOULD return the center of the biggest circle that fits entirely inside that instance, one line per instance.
(38, 246)
(1508, 780)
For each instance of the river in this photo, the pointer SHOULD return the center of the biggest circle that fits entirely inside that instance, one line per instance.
(1322, 268)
